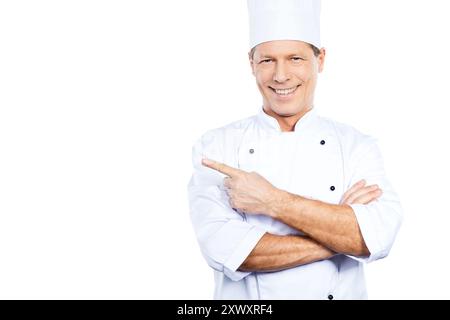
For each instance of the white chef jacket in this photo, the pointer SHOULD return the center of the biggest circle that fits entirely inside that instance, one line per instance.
(320, 159)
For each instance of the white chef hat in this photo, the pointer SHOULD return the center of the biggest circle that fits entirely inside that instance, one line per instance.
(284, 20)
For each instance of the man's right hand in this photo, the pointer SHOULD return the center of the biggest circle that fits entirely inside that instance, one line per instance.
(359, 193)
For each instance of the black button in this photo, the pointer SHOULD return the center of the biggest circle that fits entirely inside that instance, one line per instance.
(251, 151)
(322, 142)
(332, 188)
(330, 297)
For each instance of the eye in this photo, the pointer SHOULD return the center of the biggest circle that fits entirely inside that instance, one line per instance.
(297, 59)
(265, 61)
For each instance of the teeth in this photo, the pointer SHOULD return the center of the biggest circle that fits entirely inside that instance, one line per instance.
(285, 91)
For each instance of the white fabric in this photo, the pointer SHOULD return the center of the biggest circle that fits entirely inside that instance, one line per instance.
(297, 162)
(284, 20)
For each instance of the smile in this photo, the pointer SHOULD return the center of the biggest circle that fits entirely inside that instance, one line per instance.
(285, 92)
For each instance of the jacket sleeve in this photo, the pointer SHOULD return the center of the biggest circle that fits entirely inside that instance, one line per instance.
(380, 220)
(225, 238)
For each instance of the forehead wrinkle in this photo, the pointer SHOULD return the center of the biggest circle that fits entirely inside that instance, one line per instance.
(280, 52)
(282, 55)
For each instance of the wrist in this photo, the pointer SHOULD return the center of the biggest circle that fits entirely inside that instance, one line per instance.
(279, 202)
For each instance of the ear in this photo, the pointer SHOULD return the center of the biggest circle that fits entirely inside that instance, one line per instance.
(251, 61)
(321, 59)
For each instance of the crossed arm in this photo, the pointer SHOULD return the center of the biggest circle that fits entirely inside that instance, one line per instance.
(273, 253)
(329, 229)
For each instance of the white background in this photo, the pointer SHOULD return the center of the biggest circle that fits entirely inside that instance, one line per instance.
(101, 101)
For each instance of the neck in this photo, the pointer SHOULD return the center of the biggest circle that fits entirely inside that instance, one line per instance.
(286, 123)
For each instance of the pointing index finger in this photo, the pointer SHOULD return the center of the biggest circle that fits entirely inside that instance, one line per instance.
(221, 167)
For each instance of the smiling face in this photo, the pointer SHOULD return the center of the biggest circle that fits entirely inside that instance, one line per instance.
(286, 74)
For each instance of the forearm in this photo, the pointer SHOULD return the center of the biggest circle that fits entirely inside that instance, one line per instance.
(274, 253)
(334, 226)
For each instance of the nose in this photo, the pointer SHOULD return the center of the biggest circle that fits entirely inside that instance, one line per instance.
(281, 74)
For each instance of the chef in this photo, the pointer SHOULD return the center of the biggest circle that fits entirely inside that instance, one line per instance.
(287, 204)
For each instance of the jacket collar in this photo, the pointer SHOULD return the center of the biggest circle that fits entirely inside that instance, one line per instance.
(271, 124)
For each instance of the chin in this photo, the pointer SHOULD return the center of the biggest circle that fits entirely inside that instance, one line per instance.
(286, 111)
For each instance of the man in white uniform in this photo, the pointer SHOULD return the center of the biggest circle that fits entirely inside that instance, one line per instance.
(287, 204)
